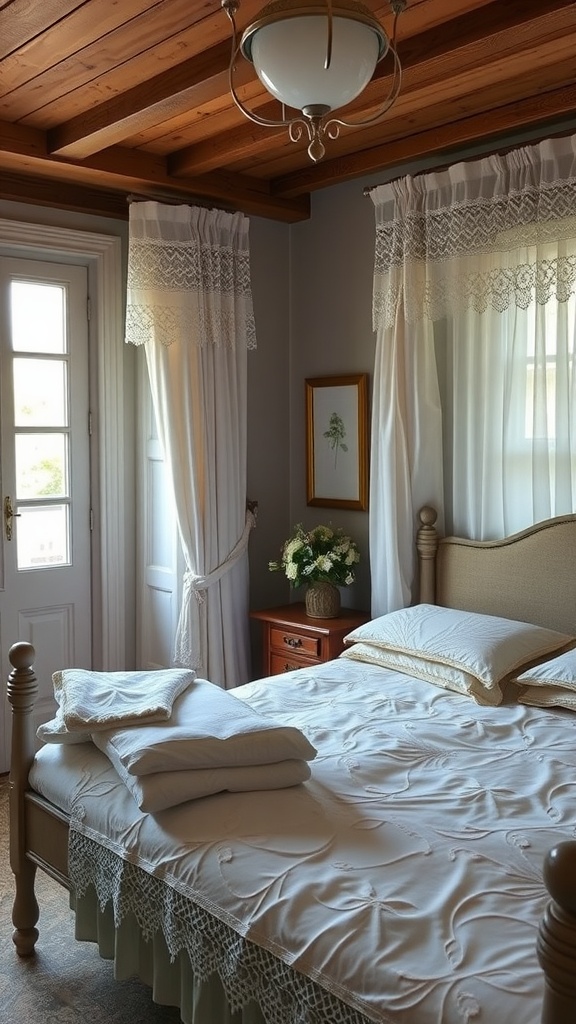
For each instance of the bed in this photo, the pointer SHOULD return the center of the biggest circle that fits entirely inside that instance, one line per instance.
(425, 873)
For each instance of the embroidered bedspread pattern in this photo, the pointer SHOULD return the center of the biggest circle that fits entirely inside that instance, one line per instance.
(406, 875)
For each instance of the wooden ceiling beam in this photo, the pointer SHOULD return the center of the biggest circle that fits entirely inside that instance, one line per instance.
(184, 87)
(43, 191)
(506, 26)
(227, 146)
(558, 105)
(129, 170)
(167, 136)
(19, 139)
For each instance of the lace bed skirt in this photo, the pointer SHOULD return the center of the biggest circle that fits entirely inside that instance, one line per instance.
(189, 957)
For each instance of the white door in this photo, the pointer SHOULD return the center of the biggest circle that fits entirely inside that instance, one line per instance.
(45, 565)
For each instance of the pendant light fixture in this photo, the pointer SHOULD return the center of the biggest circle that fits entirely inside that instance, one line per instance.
(315, 56)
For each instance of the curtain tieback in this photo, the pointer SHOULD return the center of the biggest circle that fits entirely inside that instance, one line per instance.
(197, 584)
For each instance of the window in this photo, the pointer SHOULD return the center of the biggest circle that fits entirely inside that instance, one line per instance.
(40, 347)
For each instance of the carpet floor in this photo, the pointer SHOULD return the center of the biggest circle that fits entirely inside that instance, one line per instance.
(65, 982)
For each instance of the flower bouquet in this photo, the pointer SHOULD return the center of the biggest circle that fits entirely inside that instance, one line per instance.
(319, 556)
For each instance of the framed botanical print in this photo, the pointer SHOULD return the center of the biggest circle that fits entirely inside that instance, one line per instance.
(337, 441)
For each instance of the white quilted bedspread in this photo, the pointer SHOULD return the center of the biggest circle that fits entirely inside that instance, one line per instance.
(404, 877)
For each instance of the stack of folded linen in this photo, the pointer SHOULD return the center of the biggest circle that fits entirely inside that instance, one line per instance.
(90, 701)
(209, 740)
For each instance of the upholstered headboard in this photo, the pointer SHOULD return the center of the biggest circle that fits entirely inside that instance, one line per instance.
(530, 576)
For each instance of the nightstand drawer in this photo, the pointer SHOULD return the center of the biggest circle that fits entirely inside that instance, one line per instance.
(287, 663)
(294, 643)
(292, 639)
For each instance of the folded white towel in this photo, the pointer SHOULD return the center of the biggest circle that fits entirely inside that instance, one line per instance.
(209, 728)
(158, 792)
(55, 731)
(90, 701)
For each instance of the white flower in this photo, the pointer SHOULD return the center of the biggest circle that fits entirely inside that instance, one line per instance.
(291, 547)
(322, 553)
(323, 563)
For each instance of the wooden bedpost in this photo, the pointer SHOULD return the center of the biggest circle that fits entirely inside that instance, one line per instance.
(557, 935)
(427, 545)
(22, 690)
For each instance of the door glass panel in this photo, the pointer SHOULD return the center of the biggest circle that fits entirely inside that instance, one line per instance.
(38, 317)
(41, 466)
(39, 342)
(40, 393)
(42, 536)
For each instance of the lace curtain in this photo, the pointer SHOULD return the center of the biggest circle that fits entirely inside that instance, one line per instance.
(475, 309)
(189, 303)
(458, 239)
(188, 277)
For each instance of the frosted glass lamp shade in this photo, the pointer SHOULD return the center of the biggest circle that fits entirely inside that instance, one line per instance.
(289, 51)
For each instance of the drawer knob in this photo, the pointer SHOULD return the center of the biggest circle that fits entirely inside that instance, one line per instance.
(290, 668)
(292, 641)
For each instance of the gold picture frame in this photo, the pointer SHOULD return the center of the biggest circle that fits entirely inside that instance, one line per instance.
(337, 441)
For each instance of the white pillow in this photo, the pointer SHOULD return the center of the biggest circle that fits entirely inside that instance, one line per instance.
(445, 676)
(464, 651)
(209, 728)
(551, 684)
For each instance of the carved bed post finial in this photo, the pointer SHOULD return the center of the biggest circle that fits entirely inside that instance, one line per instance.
(427, 545)
(557, 935)
(22, 689)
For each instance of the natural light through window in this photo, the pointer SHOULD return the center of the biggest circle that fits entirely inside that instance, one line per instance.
(546, 370)
(41, 421)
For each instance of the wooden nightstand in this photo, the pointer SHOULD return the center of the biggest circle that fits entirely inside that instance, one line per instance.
(293, 640)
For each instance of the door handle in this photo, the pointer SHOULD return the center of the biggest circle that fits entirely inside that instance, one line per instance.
(9, 515)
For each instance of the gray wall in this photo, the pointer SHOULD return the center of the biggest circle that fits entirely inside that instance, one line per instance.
(332, 267)
(312, 288)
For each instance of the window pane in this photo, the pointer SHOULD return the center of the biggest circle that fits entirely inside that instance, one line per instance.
(38, 318)
(41, 466)
(42, 537)
(40, 393)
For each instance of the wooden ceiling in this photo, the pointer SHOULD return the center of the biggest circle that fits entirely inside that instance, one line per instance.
(104, 98)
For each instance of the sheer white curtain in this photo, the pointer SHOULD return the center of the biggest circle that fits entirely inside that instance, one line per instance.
(189, 302)
(474, 301)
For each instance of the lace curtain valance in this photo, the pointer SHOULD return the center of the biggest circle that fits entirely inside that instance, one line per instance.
(491, 233)
(188, 277)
